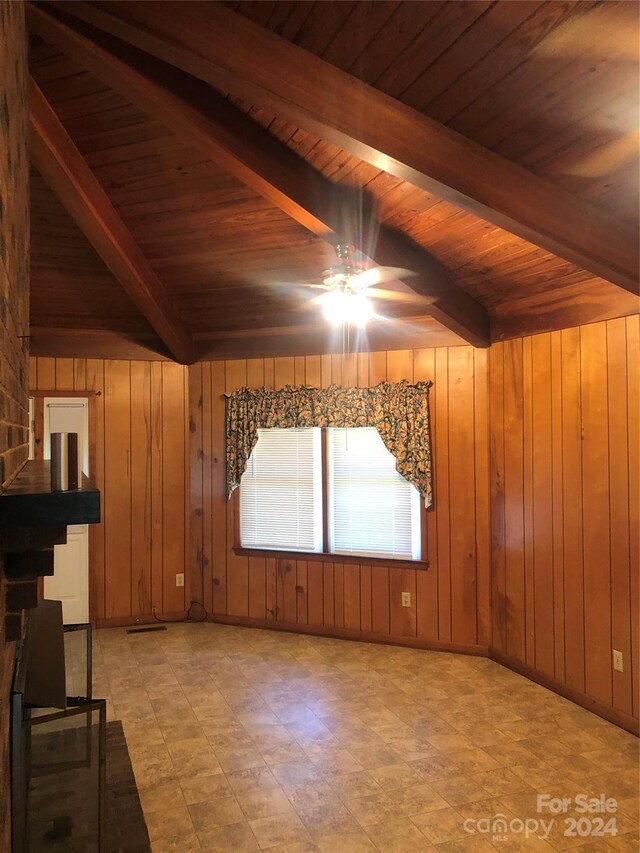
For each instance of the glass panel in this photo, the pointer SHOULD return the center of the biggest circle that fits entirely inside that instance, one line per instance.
(373, 510)
(77, 659)
(281, 491)
(66, 780)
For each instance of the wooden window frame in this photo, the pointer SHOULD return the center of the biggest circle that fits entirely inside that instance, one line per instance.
(325, 556)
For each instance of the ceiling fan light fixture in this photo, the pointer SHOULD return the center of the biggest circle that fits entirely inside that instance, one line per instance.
(345, 307)
(337, 277)
(346, 273)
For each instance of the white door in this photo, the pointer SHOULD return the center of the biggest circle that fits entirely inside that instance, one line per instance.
(70, 581)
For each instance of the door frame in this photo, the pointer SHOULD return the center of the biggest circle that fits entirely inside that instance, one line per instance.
(38, 450)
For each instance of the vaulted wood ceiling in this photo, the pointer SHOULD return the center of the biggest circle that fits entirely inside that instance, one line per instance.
(179, 205)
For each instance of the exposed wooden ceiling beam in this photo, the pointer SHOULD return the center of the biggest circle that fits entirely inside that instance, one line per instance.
(226, 50)
(95, 343)
(62, 166)
(320, 338)
(315, 339)
(206, 120)
(602, 302)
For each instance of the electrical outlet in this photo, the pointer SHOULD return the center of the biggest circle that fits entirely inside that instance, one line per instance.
(180, 579)
(617, 661)
(406, 599)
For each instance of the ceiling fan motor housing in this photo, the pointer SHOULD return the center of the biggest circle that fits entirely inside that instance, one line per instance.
(344, 274)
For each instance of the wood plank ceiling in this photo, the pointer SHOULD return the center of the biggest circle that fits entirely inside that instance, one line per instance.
(550, 86)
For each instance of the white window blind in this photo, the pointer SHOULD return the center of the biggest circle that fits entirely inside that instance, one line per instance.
(373, 510)
(281, 491)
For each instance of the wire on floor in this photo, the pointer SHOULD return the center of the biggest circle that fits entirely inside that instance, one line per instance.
(189, 617)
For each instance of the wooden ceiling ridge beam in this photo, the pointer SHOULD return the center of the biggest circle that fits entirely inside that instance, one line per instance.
(56, 157)
(230, 52)
(205, 119)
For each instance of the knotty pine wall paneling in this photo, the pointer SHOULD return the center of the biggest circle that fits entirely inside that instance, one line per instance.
(449, 600)
(564, 490)
(139, 453)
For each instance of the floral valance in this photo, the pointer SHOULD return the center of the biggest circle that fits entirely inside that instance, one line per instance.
(399, 411)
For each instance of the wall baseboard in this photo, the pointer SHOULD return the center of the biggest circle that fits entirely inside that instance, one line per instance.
(142, 619)
(349, 634)
(612, 715)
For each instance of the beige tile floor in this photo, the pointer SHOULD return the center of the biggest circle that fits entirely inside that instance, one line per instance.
(244, 740)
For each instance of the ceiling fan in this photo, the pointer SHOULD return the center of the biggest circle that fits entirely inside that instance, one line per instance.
(350, 288)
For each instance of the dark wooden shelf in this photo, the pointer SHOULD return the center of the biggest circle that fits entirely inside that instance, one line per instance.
(29, 501)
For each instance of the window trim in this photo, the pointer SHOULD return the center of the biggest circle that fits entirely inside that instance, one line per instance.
(328, 556)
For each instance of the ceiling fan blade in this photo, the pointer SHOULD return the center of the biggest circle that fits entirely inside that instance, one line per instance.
(313, 302)
(380, 275)
(399, 296)
(298, 288)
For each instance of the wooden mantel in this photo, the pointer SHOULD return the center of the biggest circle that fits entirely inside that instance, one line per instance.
(30, 502)
(33, 519)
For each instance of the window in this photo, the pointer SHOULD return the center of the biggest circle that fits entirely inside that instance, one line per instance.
(373, 510)
(281, 491)
(296, 475)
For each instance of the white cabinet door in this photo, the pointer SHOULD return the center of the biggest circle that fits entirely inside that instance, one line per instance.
(70, 581)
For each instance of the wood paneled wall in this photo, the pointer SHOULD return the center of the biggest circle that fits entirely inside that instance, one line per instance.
(564, 420)
(139, 459)
(449, 601)
(532, 540)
